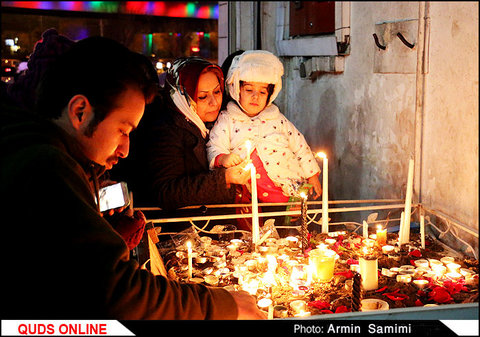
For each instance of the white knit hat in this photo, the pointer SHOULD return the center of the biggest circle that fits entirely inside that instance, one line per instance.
(254, 66)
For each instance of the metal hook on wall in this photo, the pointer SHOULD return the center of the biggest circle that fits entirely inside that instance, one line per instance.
(405, 42)
(375, 37)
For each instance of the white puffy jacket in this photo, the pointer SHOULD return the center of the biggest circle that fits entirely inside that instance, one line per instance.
(285, 154)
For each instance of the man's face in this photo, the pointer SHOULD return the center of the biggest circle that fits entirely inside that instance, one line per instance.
(110, 141)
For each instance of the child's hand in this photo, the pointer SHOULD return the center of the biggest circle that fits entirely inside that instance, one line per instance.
(316, 186)
(229, 160)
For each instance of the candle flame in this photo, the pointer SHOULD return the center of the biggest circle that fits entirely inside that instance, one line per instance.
(303, 195)
(379, 227)
(189, 244)
(322, 155)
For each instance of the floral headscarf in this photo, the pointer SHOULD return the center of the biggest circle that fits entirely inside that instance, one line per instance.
(182, 78)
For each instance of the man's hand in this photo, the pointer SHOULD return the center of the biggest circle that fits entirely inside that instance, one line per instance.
(247, 306)
(130, 225)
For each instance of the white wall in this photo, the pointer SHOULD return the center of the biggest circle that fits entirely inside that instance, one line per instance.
(370, 123)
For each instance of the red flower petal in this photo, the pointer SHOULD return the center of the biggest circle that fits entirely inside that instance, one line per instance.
(381, 289)
(347, 274)
(319, 304)
(327, 311)
(440, 295)
(341, 309)
(397, 298)
(416, 253)
(418, 303)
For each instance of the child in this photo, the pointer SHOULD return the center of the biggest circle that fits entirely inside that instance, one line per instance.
(282, 158)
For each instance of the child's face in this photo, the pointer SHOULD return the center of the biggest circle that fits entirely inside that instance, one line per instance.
(253, 97)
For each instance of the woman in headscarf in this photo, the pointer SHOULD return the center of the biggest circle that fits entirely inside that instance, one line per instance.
(170, 160)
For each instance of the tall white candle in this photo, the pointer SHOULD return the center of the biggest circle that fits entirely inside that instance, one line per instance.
(402, 226)
(422, 230)
(408, 204)
(255, 220)
(324, 192)
(365, 229)
(190, 269)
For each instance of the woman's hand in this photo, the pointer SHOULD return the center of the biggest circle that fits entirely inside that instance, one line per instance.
(316, 187)
(237, 174)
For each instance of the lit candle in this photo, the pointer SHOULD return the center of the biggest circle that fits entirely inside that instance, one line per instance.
(250, 286)
(422, 263)
(303, 314)
(422, 230)
(255, 221)
(381, 235)
(447, 259)
(322, 263)
(369, 272)
(189, 248)
(408, 204)
(355, 268)
(453, 267)
(365, 229)
(272, 263)
(292, 241)
(300, 276)
(422, 270)
(251, 265)
(298, 306)
(236, 242)
(388, 249)
(405, 278)
(369, 243)
(330, 241)
(280, 311)
(387, 272)
(453, 275)
(472, 280)
(324, 192)
(395, 270)
(421, 283)
(467, 272)
(434, 262)
(439, 269)
(266, 304)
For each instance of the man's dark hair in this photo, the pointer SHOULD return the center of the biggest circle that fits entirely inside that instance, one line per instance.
(99, 68)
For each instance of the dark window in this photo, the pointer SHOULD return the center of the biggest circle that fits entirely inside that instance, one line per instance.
(312, 17)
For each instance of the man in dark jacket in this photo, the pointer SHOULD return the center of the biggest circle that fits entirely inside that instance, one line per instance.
(62, 260)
